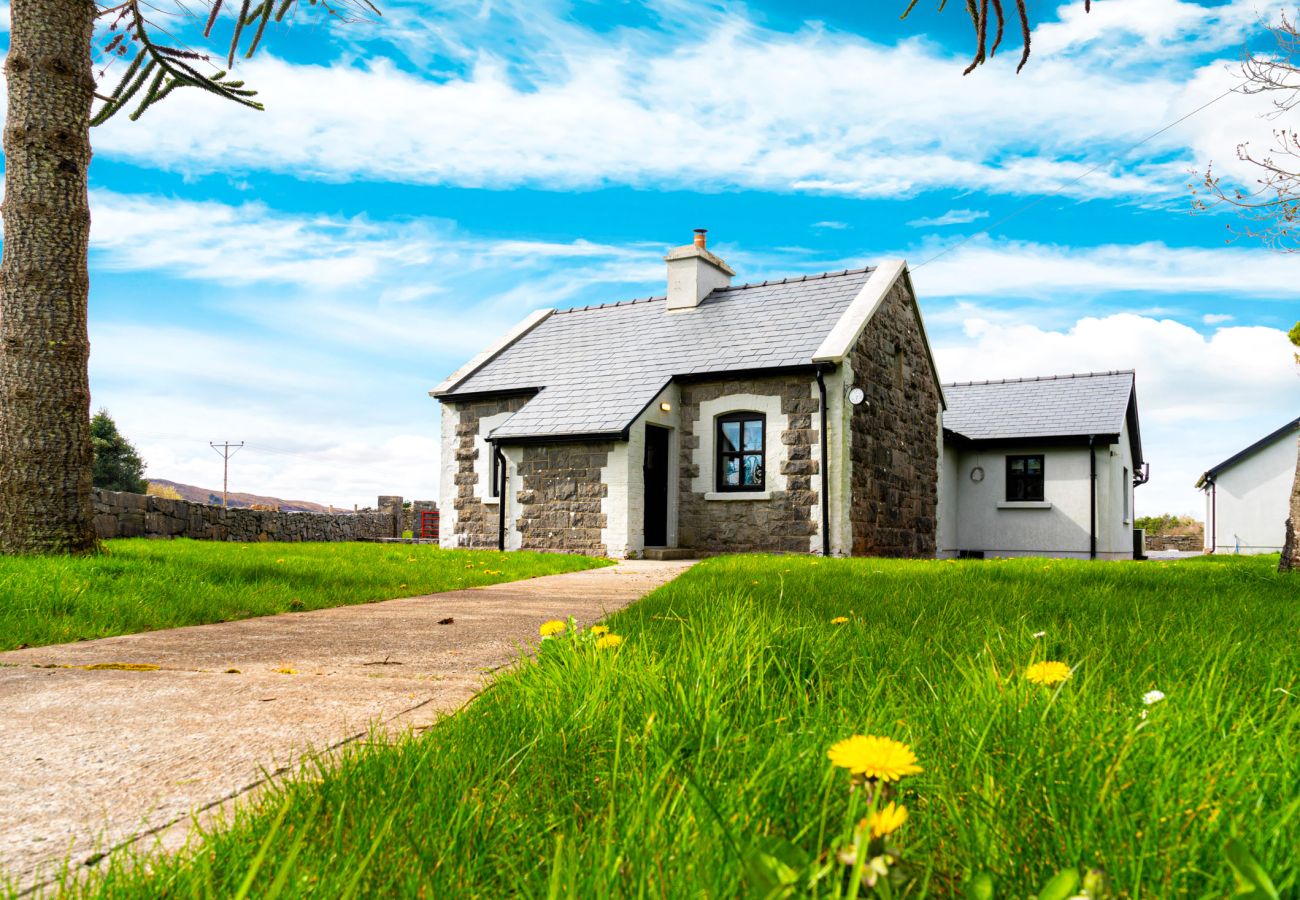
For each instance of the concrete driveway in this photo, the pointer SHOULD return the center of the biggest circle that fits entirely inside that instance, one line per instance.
(99, 749)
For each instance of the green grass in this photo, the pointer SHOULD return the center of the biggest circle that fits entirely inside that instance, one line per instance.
(145, 585)
(656, 770)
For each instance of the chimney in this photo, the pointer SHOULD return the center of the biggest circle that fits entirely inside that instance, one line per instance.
(693, 272)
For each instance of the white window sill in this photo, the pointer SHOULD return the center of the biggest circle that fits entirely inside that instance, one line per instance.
(738, 495)
(1024, 504)
(492, 500)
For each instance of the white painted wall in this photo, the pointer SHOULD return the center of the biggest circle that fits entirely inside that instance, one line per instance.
(447, 537)
(976, 516)
(947, 512)
(514, 484)
(1253, 499)
(840, 444)
(624, 503)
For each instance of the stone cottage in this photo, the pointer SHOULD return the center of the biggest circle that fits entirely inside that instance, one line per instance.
(801, 415)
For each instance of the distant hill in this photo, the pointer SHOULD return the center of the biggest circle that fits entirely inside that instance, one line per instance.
(239, 499)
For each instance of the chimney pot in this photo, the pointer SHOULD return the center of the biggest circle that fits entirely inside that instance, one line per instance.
(693, 272)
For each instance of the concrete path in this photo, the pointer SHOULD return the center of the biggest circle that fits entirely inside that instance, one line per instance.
(94, 758)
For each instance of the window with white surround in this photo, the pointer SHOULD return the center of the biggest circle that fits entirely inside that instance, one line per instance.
(759, 449)
(741, 449)
(1127, 487)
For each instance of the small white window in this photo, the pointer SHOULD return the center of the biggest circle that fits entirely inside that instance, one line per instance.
(1127, 487)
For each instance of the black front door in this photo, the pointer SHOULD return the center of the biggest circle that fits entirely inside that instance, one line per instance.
(656, 486)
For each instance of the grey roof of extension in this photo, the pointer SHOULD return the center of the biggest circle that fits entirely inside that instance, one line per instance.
(1055, 406)
(597, 367)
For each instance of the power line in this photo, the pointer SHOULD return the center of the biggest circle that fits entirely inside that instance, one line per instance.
(226, 450)
(1073, 181)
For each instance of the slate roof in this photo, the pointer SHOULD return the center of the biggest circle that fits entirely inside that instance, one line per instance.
(1210, 474)
(1055, 406)
(597, 367)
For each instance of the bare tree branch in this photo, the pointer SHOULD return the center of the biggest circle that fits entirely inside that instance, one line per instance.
(1270, 209)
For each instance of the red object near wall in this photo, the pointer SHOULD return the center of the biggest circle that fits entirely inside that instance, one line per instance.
(429, 524)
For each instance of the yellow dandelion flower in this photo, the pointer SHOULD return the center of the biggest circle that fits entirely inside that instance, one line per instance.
(1048, 672)
(599, 630)
(874, 757)
(885, 820)
(839, 620)
(609, 641)
(552, 628)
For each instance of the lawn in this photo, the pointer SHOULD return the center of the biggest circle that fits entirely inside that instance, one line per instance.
(145, 585)
(693, 758)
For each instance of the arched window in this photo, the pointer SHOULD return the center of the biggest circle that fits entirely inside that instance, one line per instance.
(740, 442)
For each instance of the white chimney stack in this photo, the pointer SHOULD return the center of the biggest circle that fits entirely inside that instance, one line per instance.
(693, 272)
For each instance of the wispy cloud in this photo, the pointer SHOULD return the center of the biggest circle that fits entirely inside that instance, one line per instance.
(951, 217)
(833, 226)
(1216, 318)
(984, 267)
(728, 104)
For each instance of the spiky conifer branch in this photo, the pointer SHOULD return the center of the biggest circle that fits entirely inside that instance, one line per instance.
(979, 11)
(159, 67)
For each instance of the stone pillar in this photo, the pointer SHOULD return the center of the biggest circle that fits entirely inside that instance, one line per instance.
(391, 506)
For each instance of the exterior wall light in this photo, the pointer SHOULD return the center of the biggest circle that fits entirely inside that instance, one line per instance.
(666, 406)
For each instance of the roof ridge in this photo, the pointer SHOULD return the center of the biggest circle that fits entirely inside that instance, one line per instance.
(731, 287)
(573, 309)
(794, 278)
(1042, 378)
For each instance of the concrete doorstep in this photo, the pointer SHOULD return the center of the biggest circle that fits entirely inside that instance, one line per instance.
(105, 742)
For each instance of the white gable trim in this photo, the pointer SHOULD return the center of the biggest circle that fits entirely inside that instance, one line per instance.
(528, 324)
(835, 348)
(846, 331)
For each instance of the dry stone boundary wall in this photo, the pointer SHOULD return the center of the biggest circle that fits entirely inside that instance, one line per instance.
(119, 514)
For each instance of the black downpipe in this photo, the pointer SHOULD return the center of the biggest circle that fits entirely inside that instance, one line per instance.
(825, 471)
(499, 476)
(1092, 497)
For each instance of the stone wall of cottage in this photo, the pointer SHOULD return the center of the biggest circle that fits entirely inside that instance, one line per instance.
(476, 523)
(894, 463)
(782, 524)
(558, 505)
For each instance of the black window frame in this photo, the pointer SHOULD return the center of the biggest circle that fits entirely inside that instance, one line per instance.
(1029, 484)
(720, 454)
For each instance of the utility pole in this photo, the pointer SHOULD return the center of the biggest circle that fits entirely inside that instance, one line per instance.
(226, 450)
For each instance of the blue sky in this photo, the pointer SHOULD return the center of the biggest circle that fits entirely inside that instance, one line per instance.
(299, 278)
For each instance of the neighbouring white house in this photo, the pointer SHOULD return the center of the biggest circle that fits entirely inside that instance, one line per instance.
(1247, 495)
(797, 415)
(1041, 467)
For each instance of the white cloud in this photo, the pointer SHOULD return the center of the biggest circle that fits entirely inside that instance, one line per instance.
(1201, 398)
(951, 217)
(833, 226)
(1217, 318)
(728, 104)
(1136, 31)
(984, 267)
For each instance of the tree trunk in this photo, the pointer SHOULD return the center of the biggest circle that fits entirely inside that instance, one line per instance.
(45, 451)
(1291, 546)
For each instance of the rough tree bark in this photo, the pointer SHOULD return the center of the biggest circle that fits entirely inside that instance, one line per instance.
(45, 451)
(1291, 546)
